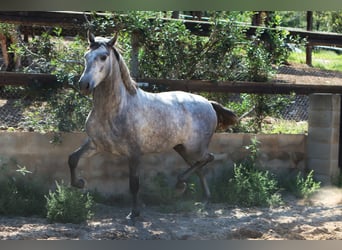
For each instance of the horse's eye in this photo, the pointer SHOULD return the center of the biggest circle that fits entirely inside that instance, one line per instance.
(103, 58)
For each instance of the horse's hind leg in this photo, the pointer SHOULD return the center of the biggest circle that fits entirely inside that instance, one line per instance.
(85, 149)
(204, 183)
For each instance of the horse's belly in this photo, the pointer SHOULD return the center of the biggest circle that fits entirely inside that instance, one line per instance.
(157, 143)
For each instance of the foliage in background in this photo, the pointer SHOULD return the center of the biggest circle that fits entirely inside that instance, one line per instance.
(68, 205)
(330, 21)
(65, 109)
(68, 110)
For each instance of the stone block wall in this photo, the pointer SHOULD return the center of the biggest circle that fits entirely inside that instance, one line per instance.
(282, 154)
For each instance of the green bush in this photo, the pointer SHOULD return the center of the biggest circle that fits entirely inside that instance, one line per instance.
(307, 186)
(246, 185)
(20, 195)
(300, 185)
(255, 187)
(68, 205)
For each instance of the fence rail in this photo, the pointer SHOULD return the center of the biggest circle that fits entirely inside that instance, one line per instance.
(74, 23)
(23, 79)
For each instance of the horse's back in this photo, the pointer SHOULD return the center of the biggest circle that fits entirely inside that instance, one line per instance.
(171, 118)
(181, 106)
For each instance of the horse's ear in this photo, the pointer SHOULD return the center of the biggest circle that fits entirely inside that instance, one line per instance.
(91, 37)
(113, 40)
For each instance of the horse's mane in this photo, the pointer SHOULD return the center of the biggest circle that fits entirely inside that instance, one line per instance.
(129, 83)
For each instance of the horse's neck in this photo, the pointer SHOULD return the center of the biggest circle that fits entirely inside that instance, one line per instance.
(109, 97)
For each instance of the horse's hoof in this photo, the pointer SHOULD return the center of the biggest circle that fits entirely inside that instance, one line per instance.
(79, 184)
(132, 215)
(181, 187)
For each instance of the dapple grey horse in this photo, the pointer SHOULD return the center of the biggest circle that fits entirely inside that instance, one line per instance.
(127, 121)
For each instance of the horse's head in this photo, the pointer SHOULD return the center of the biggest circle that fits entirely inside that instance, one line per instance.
(98, 62)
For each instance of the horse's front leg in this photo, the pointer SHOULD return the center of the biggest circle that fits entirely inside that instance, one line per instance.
(87, 149)
(134, 186)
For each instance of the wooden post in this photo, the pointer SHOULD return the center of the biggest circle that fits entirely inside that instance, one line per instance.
(309, 20)
(135, 55)
(175, 14)
(257, 19)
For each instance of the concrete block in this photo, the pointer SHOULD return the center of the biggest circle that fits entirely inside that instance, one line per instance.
(320, 151)
(297, 140)
(319, 166)
(325, 180)
(320, 119)
(320, 135)
(323, 102)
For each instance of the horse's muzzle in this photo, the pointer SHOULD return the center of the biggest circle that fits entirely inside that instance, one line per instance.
(84, 87)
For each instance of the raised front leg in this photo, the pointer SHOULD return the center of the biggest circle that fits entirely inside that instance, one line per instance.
(87, 149)
(134, 186)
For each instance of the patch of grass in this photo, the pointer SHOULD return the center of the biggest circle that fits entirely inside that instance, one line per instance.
(327, 60)
(285, 127)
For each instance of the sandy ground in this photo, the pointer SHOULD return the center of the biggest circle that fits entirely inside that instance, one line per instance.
(319, 219)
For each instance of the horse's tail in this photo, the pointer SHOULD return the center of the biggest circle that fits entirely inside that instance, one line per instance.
(225, 117)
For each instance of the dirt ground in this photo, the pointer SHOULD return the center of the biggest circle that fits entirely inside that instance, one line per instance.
(319, 219)
(303, 74)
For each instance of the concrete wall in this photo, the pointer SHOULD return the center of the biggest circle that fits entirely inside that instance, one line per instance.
(282, 154)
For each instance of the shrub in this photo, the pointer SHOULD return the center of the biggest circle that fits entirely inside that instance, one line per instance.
(301, 186)
(68, 205)
(307, 186)
(247, 185)
(255, 187)
(19, 195)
